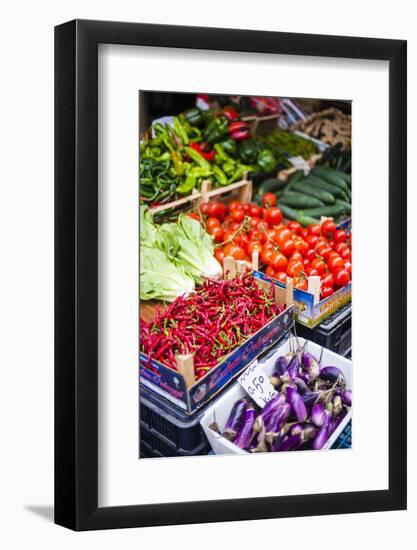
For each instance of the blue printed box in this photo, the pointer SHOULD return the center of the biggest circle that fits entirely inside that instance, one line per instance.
(171, 385)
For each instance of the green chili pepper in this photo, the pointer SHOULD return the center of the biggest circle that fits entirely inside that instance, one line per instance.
(197, 158)
(228, 168)
(220, 175)
(189, 183)
(180, 131)
(178, 164)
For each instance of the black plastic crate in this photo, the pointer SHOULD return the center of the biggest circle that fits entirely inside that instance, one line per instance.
(344, 441)
(334, 333)
(167, 431)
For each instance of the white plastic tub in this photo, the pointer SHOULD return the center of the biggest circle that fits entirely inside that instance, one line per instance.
(219, 411)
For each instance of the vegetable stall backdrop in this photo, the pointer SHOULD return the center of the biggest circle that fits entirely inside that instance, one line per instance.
(245, 274)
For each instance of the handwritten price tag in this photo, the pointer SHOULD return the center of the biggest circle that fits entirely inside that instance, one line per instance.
(257, 385)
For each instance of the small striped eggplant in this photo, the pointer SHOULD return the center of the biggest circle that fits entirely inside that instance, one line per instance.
(301, 386)
(310, 398)
(296, 429)
(321, 438)
(297, 404)
(235, 419)
(347, 398)
(281, 369)
(277, 419)
(294, 367)
(245, 434)
(289, 443)
(319, 415)
(310, 365)
(332, 374)
(272, 404)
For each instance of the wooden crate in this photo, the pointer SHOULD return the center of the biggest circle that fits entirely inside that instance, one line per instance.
(261, 125)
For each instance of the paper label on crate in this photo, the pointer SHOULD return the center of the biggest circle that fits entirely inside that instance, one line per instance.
(300, 164)
(257, 385)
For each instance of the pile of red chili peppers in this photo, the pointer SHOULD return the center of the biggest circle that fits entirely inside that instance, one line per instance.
(209, 323)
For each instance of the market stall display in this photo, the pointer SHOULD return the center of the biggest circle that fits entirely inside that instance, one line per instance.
(330, 126)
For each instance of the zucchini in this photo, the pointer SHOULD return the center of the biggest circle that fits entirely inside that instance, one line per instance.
(287, 212)
(299, 201)
(332, 177)
(327, 186)
(323, 196)
(346, 205)
(270, 186)
(328, 211)
(307, 220)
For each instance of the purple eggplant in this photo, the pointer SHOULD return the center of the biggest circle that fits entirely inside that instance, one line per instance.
(310, 398)
(347, 398)
(277, 419)
(310, 365)
(245, 434)
(289, 443)
(294, 367)
(332, 374)
(309, 432)
(302, 387)
(297, 404)
(235, 419)
(281, 368)
(261, 446)
(319, 415)
(321, 437)
(296, 429)
(272, 404)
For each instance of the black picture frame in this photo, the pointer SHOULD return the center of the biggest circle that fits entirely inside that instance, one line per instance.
(76, 271)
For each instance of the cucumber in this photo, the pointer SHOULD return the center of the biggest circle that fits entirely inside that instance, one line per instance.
(326, 186)
(299, 201)
(323, 196)
(297, 176)
(332, 177)
(270, 186)
(305, 220)
(287, 212)
(346, 205)
(328, 211)
(346, 177)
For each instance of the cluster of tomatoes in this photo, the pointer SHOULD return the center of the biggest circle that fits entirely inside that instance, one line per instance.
(284, 250)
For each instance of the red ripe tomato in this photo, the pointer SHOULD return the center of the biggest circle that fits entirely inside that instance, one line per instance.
(266, 256)
(306, 263)
(312, 271)
(203, 207)
(326, 291)
(325, 251)
(234, 226)
(269, 245)
(348, 267)
(269, 199)
(270, 271)
(217, 234)
(301, 283)
(340, 247)
(217, 210)
(304, 232)
(311, 240)
(283, 235)
(254, 245)
(300, 245)
(254, 211)
(346, 254)
(254, 222)
(295, 226)
(273, 216)
(245, 207)
(244, 239)
(281, 276)
(314, 229)
(234, 204)
(278, 261)
(238, 214)
(211, 223)
(262, 227)
(331, 243)
(236, 251)
(320, 246)
(296, 256)
(340, 235)
(335, 263)
(294, 268)
(219, 254)
(328, 227)
(287, 248)
(327, 280)
(319, 265)
(270, 234)
(310, 255)
(341, 277)
(194, 216)
(255, 235)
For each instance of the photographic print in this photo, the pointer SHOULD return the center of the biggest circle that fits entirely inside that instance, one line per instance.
(245, 274)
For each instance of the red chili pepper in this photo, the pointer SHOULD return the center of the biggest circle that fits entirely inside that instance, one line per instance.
(207, 155)
(239, 135)
(230, 113)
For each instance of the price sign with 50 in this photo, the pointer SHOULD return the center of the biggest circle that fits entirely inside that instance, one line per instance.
(257, 385)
